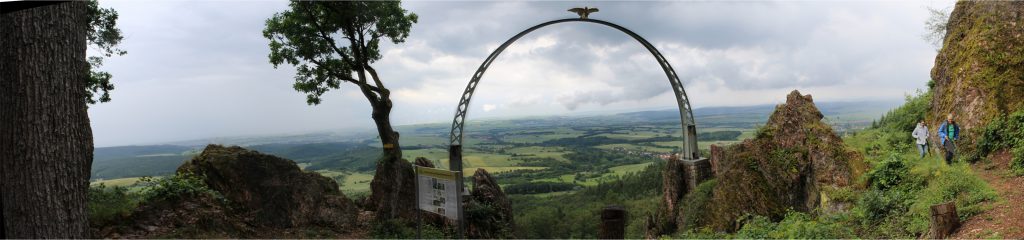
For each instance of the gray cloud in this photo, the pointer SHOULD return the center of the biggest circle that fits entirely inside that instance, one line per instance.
(199, 69)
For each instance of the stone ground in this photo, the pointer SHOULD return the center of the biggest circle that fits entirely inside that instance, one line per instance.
(1005, 219)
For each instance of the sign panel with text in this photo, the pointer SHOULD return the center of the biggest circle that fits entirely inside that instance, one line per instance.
(438, 192)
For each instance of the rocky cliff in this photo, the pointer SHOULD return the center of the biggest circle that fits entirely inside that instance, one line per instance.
(979, 72)
(232, 192)
(276, 189)
(787, 165)
(488, 210)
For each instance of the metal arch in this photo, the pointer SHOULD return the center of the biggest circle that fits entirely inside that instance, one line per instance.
(685, 112)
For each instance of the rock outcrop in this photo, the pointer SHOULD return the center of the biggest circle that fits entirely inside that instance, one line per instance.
(979, 72)
(178, 218)
(488, 211)
(785, 166)
(424, 162)
(278, 192)
(393, 190)
(664, 221)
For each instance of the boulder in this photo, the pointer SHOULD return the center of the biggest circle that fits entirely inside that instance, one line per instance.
(278, 192)
(424, 162)
(488, 211)
(785, 166)
(393, 190)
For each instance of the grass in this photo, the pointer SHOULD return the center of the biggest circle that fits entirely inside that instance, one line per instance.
(612, 174)
(540, 152)
(433, 154)
(494, 170)
(350, 182)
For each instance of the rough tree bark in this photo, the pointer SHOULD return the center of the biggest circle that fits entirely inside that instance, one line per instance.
(392, 190)
(388, 137)
(45, 138)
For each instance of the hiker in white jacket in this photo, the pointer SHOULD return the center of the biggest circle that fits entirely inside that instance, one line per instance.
(920, 134)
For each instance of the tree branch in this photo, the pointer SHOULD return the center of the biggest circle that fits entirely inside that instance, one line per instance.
(346, 78)
(324, 35)
(357, 50)
(385, 93)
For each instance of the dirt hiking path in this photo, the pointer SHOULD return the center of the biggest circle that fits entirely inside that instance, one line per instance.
(1005, 219)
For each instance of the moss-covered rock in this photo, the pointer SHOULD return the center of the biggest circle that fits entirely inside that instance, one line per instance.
(790, 162)
(979, 72)
(275, 189)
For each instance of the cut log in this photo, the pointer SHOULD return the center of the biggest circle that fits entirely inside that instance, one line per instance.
(944, 220)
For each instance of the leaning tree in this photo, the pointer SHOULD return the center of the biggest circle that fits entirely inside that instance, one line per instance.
(331, 43)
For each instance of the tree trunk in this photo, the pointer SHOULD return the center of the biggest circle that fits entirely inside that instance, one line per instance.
(45, 138)
(394, 184)
(388, 136)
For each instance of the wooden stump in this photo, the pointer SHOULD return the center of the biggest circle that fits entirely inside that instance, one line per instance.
(613, 223)
(944, 220)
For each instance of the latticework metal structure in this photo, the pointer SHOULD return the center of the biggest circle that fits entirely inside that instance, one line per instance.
(689, 148)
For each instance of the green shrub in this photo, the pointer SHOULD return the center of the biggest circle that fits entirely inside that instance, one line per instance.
(794, 225)
(956, 183)
(696, 204)
(888, 173)
(756, 227)
(702, 233)
(400, 229)
(487, 220)
(106, 205)
(1003, 132)
(172, 188)
(904, 118)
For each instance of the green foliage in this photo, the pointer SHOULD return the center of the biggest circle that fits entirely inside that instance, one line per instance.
(876, 204)
(329, 42)
(577, 214)
(905, 117)
(794, 225)
(719, 136)
(935, 27)
(1003, 132)
(137, 166)
(486, 219)
(956, 183)
(104, 36)
(400, 229)
(110, 204)
(764, 132)
(904, 186)
(175, 187)
(888, 174)
(538, 187)
(695, 205)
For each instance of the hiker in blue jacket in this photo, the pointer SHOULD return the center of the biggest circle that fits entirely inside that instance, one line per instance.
(949, 132)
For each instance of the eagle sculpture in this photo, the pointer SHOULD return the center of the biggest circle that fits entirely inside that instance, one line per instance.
(584, 12)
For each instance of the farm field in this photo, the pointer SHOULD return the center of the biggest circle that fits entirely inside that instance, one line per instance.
(524, 153)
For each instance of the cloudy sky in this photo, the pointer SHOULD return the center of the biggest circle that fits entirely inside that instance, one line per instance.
(199, 69)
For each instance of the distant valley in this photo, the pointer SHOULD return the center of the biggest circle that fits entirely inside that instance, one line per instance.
(524, 151)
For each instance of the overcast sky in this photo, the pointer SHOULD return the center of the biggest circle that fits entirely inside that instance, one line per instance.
(199, 69)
